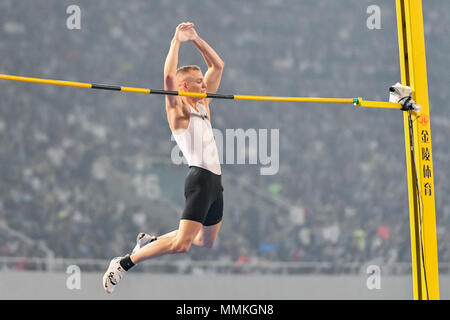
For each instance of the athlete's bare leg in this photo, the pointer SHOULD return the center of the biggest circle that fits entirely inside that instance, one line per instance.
(206, 237)
(179, 243)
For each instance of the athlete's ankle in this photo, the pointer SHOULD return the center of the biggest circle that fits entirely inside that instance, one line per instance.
(126, 263)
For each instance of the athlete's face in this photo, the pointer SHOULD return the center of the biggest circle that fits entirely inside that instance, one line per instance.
(194, 82)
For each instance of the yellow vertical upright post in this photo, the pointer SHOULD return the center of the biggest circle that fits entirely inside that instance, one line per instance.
(419, 161)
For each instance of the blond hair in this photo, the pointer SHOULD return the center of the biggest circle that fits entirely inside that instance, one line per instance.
(185, 70)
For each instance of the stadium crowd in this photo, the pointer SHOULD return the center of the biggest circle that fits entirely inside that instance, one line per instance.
(340, 194)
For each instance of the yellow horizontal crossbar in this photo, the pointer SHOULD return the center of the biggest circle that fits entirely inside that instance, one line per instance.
(356, 101)
(131, 89)
(293, 99)
(192, 94)
(46, 81)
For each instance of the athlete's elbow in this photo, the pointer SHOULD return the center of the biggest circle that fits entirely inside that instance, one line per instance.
(217, 65)
(220, 64)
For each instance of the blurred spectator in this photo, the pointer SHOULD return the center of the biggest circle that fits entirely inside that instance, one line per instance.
(82, 172)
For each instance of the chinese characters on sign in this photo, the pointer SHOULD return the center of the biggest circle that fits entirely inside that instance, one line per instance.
(426, 160)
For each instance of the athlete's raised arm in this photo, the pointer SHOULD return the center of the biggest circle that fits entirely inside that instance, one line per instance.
(215, 64)
(170, 66)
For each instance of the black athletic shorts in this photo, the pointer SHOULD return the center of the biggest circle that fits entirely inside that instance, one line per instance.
(203, 192)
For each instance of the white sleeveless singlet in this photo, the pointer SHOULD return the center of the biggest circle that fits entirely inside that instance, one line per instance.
(197, 142)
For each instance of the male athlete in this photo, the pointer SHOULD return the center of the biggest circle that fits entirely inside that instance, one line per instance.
(189, 121)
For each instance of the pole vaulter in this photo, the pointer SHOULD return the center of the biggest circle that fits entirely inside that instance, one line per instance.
(419, 164)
